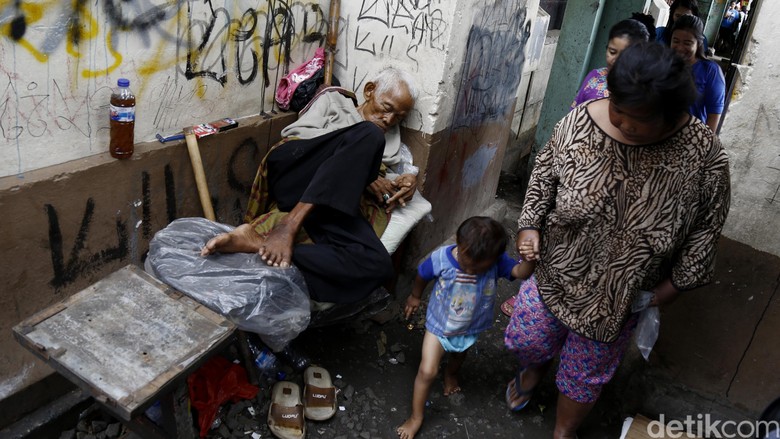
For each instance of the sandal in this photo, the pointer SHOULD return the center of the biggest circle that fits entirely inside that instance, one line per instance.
(508, 307)
(285, 417)
(520, 392)
(319, 394)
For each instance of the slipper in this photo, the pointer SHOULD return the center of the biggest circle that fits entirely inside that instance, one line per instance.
(520, 392)
(285, 417)
(508, 307)
(319, 395)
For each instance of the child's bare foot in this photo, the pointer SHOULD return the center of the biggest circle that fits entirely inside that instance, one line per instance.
(242, 239)
(451, 385)
(409, 428)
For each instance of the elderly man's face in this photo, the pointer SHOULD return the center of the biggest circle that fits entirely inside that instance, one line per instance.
(385, 109)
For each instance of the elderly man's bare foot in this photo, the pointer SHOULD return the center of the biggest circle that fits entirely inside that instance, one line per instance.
(278, 246)
(242, 239)
(451, 385)
(409, 428)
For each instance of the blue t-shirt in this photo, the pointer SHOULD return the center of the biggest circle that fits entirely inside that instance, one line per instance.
(461, 303)
(711, 86)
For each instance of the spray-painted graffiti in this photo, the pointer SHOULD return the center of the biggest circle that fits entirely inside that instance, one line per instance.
(495, 52)
(188, 59)
(68, 267)
(67, 271)
(475, 166)
(421, 22)
(210, 36)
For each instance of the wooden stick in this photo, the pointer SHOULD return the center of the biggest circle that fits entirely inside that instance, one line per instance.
(200, 175)
(332, 39)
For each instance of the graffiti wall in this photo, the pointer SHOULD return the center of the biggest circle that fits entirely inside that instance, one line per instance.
(191, 62)
(413, 35)
(465, 159)
(188, 62)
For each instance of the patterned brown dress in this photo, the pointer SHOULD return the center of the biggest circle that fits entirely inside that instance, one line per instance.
(617, 218)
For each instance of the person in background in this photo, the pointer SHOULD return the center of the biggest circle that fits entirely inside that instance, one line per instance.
(678, 8)
(629, 194)
(728, 28)
(461, 304)
(622, 35)
(687, 41)
(648, 21)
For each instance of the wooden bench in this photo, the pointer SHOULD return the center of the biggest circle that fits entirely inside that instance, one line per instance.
(129, 340)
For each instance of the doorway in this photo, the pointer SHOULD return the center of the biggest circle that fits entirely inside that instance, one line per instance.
(732, 48)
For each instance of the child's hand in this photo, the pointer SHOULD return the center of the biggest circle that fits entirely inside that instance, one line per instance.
(412, 304)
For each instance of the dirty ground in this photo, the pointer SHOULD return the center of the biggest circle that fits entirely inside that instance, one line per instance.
(373, 366)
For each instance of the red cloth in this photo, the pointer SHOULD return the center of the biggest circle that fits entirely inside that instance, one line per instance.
(215, 383)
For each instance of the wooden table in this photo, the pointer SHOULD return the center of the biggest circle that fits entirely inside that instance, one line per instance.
(129, 340)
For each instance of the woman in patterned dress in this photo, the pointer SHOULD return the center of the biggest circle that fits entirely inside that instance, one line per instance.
(629, 194)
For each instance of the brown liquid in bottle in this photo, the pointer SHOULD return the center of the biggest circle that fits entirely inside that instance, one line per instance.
(122, 133)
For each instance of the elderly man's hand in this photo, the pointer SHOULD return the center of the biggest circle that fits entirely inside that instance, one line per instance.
(394, 193)
(405, 186)
(382, 189)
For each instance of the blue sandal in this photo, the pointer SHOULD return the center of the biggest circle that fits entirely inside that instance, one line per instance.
(519, 391)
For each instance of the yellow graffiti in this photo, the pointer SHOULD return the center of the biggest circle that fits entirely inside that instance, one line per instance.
(82, 33)
(32, 13)
(117, 61)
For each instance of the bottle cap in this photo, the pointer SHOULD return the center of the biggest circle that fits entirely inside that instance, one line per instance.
(123, 82)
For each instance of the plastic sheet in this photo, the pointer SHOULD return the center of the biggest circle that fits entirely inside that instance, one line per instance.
(649, 324)
(269, 301)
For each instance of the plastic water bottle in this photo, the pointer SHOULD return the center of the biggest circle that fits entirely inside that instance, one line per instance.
(122, 120)
(267, 364)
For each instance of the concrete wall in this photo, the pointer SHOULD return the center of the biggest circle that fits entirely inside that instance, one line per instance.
(749, 133)
(69, 225)
(476, 101)
(533, 84)
(74, 214)
(188, 62)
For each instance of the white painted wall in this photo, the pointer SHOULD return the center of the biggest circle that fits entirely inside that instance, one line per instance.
(55, 93)
(187, 61)
(750, 133)
(410, 35)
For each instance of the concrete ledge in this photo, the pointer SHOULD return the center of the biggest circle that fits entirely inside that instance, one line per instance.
(49, 420)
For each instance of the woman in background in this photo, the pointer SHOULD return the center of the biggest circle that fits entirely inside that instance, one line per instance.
(688, 41)
(622, 35)
(679, 8)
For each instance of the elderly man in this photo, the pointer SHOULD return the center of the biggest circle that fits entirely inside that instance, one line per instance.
(305, 207)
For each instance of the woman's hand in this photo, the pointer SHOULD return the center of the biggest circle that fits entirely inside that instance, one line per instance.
(664, 293)
(528, 244)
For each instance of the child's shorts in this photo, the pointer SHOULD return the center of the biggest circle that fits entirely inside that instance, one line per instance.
(536, 336)
(458, 343)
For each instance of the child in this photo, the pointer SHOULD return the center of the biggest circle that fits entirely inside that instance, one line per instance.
(461, 304)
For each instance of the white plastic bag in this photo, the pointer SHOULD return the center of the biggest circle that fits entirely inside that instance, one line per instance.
(649, 324)
(270, 301)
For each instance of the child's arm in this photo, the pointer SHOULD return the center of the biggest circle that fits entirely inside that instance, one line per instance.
(523, 269)
(413, 301)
